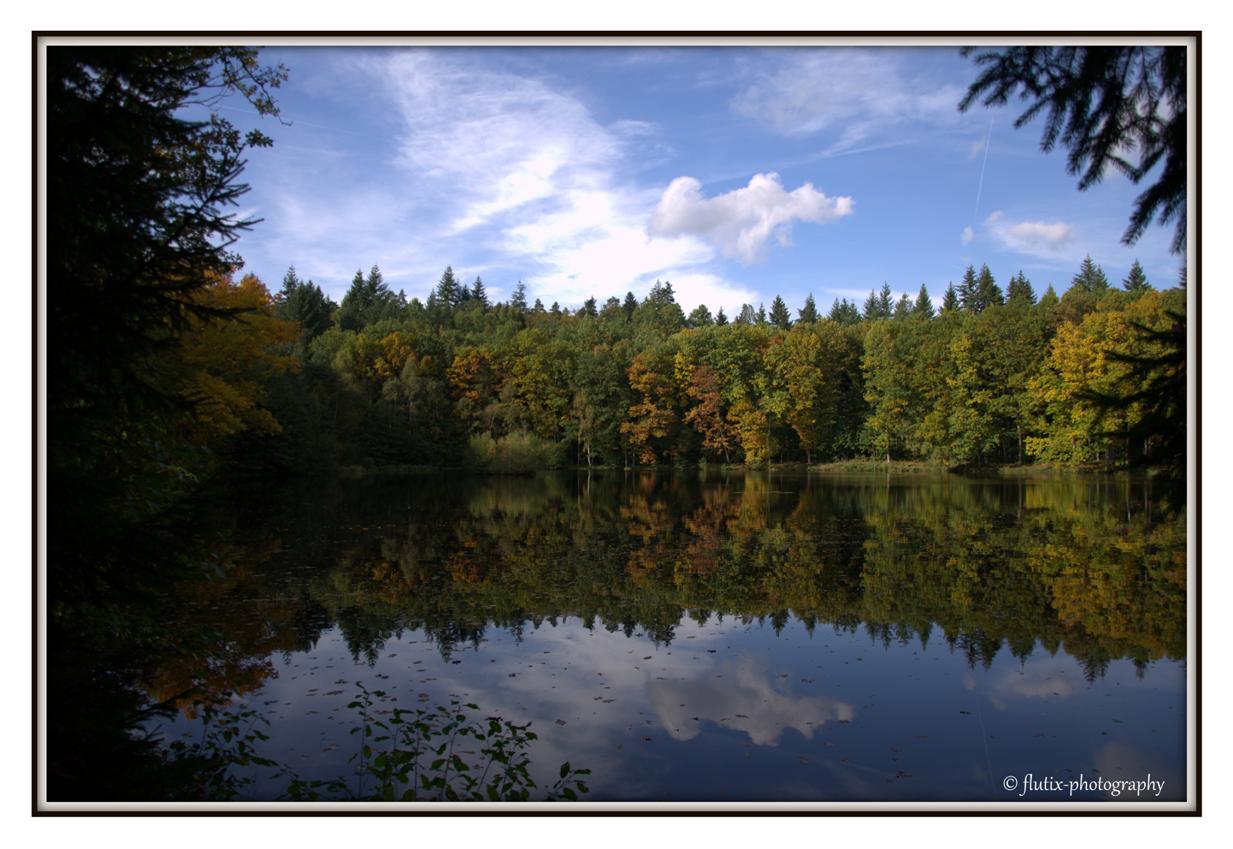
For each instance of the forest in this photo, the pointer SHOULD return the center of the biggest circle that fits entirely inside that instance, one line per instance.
(987, 377)
(167, 364)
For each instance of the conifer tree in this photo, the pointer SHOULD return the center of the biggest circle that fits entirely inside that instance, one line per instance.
(780, 317)
(988, 293)
(1091, 277)
(1136, 280)
(290, 282)
(1019, 290)
(519, 299)
(809, 312)
(449, 293)
(720, 318)
(478, 292)
(870, 312)
(950, 301)
(903, 307)
(1105, 104)
(969, 297)
(885, 302)
(589, 308)
(923, 306)
(354, 303)
(761, 314)
(844, 312)
(629, 305)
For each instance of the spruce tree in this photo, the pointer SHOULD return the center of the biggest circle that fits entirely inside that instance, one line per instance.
(351, 312)
(589, 308)
(923, 306)
(720, 318)
(629, 305)
(780, 317)
(844, 312)
(519, 299)
(1019, 290)
(885, 301)
(968, 297)
(809, 312)
(988, 292)
(950, 301)
(448, 291)
(478, 292)
(870, 311)
(761, 314)
(903, 307)
(1091, 277)
(1136, 281)
(1049, 299)
(290, 282)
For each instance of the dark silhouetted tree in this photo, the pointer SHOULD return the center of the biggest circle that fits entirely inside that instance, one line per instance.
(1106, 105)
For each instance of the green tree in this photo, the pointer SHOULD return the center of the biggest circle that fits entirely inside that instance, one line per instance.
(1136, 281)
(809, 312)
(969, 291)
(950, 301)
(923, 307)
(780, 317)
(140, 213)
(449, 290)
(701, 316)
(478, 293)
(1019, 290)
(1091, 278)
(519, 299)
(844, 312)
(988, 293)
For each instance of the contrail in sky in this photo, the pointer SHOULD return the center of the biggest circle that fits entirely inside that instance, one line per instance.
(985, 161)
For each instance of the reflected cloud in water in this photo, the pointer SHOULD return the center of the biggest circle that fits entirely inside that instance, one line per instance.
(739, 695)
(1052, 678)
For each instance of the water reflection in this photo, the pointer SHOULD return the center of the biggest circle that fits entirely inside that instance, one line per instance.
(1038, 587)
(740, 696)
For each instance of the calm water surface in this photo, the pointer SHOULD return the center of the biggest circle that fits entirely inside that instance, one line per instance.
(715, 637)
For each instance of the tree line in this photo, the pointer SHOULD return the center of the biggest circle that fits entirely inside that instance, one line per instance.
(988, 376)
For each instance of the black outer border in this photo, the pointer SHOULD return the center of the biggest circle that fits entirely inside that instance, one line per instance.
(1197, 35)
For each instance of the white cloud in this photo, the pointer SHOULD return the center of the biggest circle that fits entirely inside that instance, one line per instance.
(496, 140)
(1041, 238)
(852, 92)
(741, 697)
(967, 235)
(694, 288)
(741, 221)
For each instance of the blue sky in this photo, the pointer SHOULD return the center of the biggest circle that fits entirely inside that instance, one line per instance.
(735, 173)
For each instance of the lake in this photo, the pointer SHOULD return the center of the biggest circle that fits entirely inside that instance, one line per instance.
(700, 635)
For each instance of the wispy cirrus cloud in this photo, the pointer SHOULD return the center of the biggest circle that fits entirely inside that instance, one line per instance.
(740, 222)
(851, 94)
